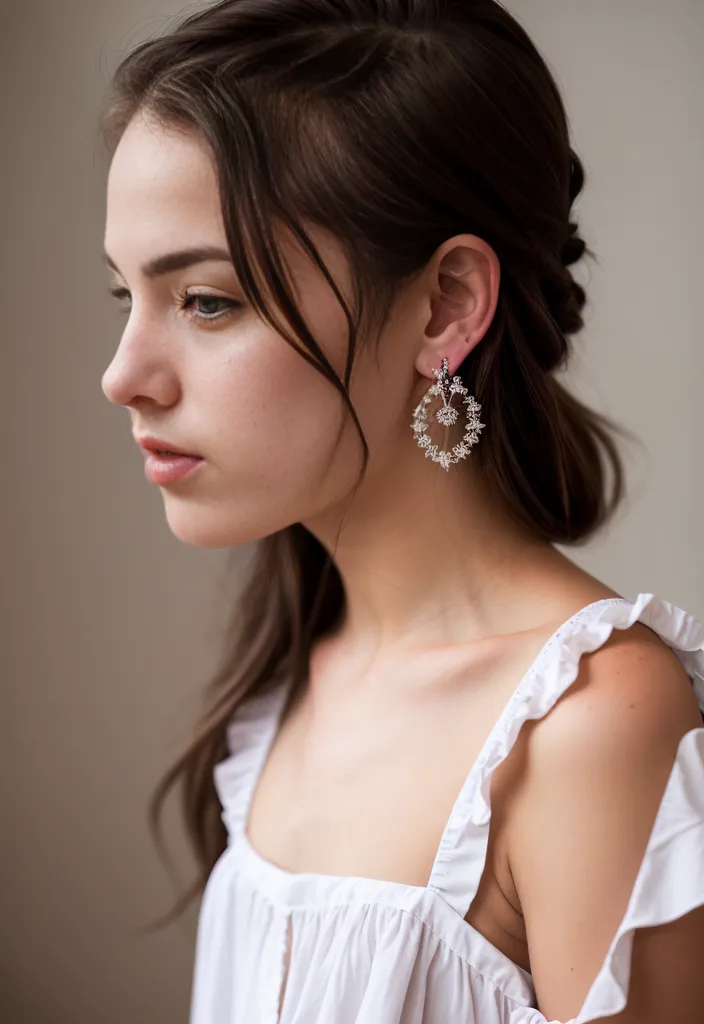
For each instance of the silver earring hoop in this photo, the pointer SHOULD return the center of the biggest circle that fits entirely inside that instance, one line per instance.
(447, 415)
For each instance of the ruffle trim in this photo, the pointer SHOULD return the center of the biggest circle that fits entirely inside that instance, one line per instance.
(462, 851)
(670, 882)
(249, 734)
(669, 885)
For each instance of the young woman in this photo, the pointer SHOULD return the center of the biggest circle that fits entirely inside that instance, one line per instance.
(444, 776)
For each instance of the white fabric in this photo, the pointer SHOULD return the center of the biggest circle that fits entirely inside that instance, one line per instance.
(365, 951)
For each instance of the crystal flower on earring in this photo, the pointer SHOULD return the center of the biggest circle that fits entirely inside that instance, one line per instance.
(447, 415)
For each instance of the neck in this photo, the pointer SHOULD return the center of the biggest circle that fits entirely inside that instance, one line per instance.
(429, 558)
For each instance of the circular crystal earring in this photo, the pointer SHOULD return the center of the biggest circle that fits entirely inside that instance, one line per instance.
(447, 415)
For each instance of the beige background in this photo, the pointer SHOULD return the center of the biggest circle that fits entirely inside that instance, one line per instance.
(110, 624)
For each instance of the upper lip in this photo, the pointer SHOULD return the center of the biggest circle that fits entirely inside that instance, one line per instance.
(152, 444)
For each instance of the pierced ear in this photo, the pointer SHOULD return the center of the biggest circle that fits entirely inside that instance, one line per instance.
(463, 301)
(452, 303)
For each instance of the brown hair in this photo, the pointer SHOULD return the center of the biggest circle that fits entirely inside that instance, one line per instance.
(395, 124)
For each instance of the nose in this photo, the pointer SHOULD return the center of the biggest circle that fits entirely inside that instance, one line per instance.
(139, 371)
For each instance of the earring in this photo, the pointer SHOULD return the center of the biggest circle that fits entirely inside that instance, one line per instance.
(447, 415)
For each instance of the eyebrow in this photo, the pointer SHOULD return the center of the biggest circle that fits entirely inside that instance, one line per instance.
(172, 261)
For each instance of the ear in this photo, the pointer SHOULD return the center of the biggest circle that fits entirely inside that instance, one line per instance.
(464, 276)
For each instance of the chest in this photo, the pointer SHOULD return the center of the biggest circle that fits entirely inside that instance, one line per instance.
(363, 783)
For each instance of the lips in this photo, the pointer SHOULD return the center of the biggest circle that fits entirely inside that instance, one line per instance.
(159, 447)
(171, 451)
(166, 453)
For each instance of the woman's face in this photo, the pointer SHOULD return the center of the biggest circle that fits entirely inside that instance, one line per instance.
(216, 380)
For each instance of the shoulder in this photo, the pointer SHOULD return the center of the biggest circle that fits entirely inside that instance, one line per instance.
(631, 699)
(592, 774)
(615, 731)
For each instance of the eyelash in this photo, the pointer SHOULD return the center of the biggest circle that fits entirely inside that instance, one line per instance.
(184, 297)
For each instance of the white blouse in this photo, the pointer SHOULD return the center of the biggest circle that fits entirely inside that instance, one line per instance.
(366, 951)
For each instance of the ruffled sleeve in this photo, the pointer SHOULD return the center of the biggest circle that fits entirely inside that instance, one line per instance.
(670, 882)
(249, 734)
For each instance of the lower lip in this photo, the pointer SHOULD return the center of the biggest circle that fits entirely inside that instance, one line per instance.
(168, 469)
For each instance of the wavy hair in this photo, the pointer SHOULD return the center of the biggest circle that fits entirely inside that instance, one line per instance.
(394, 124)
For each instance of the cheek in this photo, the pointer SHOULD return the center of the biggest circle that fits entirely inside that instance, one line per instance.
(272, 421)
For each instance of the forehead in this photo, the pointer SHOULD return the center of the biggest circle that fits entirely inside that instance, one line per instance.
(162, 196)
(161, 188)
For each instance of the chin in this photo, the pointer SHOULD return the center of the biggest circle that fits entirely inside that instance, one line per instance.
(199, 535)
(197, 529)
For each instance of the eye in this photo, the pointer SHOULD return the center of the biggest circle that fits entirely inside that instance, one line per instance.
(120, 293)
(187, 302)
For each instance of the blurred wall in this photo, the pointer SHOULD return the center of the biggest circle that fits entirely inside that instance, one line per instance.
(109, 624)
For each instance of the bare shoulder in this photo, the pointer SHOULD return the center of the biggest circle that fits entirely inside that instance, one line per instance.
(586, 784)
(618, 725)
(632, 694)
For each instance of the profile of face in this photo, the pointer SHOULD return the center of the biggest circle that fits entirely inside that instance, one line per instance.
(197, 367)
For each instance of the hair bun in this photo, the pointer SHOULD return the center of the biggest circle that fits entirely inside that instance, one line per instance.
(565, 296)
(574, 247)
(569, 299)
(577, 176)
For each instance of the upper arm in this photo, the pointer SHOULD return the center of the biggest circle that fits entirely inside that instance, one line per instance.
(593, 776)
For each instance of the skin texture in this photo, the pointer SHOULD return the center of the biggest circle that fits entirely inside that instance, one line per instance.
(447, 601)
